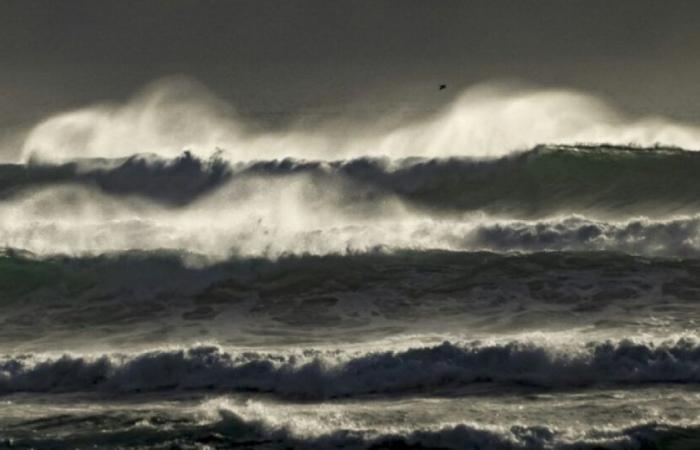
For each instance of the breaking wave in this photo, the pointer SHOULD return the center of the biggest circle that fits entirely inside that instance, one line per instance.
(209, 237)
(551, 198)
(314, 374)
(229, 429)
(647, 436)
(232, 432)
(603, 179)
(489, 119)
(167, 221)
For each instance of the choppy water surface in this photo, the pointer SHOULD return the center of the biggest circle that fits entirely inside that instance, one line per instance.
(542, 300)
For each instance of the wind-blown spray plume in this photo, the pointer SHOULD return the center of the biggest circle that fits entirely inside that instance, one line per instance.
(176, 114)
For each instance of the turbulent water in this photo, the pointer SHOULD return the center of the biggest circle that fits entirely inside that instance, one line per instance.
(546, 299)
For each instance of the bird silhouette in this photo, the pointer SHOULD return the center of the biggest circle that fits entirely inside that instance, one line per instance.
(443, 86)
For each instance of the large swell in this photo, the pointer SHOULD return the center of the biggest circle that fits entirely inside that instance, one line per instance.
(610, 180)
(583, 198)
(315, 375)
(438, 282)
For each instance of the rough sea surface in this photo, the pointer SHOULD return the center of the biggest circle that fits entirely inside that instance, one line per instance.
(547, 299)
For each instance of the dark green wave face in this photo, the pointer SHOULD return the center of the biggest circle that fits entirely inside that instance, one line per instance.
(611, 181)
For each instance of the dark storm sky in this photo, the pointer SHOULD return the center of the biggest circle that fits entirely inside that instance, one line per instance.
(285, 57)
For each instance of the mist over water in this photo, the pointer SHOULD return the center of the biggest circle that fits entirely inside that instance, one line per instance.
(487, 120)
(292, 217)
(517, 270)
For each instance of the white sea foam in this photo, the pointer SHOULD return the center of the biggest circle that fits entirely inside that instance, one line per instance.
(295, 215)
(314, 374)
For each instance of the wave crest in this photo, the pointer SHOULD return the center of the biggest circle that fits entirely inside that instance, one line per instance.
(316, 375)
(607, 180)
(490, 119)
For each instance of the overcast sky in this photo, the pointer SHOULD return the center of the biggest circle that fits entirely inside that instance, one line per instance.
(286, 57)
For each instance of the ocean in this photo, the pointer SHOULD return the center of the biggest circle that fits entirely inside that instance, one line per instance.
(545, 299)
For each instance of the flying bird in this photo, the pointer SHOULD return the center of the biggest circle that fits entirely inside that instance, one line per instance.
(443, 86)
